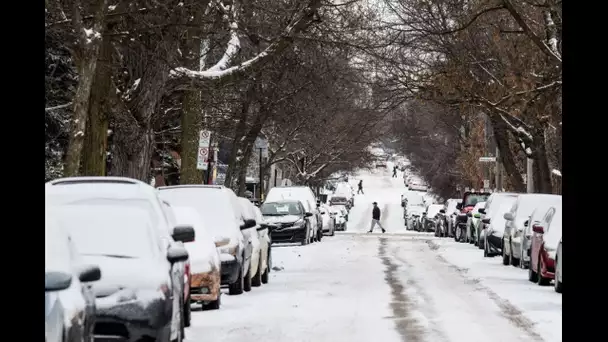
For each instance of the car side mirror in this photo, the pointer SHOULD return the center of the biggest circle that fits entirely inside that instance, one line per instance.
(322, 213)
(248, 223)
(221, 241)
(508, 216)
(308, 215)
(442, 211)
(183, 233)
(469, 214)
(403, 204)
(486, 220)
(482, 210)
(57, 281)
(526, 223)
(177, 254)
(538, 229)
(89, 273)
(477, 215)
(459, 206)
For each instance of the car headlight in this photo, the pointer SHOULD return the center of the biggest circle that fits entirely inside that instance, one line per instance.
(299, 223)
(229, 250)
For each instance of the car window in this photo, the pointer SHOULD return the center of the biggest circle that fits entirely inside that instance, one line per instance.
(547, 219)
(124, 232)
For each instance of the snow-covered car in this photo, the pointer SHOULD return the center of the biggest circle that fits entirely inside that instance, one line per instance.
(515, 224)
(491, 204)
(414, 217)
(183, 267)
(204, 260)
(535, 218)
(558, 268)
(430, 217)
(328, 220)
(99, 191)
(135, 296)
(545, 241)
(494, 225)
(473, 223)
(260, 247)
(265, 244)
(346, 190)
(305, 195)
(69, 301)
(339, 200)
(469, 200)
(290, 220)
(341, 215)
(451, 212)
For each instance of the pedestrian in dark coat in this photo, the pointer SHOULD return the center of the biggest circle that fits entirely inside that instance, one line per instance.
(376, 218)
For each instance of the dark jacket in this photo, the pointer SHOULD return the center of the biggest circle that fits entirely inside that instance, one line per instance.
(361, 185)
(376, 213)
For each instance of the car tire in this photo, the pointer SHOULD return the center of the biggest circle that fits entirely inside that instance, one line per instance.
(532, 276)
(247, 281)
(505, 257)
(542, 281)
(236, 288)
(485, 250)
(256, 281)
(214, 304)
(512, 260)
(558, 284)
(265, 275)
(182, 329)
(319, 235)
(187, 312)
(306, 240)
(164, 334)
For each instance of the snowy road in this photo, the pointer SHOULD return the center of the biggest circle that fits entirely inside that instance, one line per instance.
(398, 286)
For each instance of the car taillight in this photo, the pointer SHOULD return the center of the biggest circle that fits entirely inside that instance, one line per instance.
(187, 270)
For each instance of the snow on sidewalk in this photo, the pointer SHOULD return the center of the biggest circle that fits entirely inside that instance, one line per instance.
(506, 285)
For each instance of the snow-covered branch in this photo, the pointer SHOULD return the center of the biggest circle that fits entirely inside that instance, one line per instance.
(50, 109)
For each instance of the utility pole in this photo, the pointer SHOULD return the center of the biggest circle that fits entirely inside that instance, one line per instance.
(530, 175)
(261, 179)
(498, 171)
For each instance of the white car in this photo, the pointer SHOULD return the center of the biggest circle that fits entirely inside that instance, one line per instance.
(514, 226)
(492, 204)
(258, 257)
(473, 224)
(450, 213)
(328, 220)
(265, 245)
(204, 260)
(526, 236)
(69, 303)
(131, 192)
(341, 216)
(220, 210)
(558, 268)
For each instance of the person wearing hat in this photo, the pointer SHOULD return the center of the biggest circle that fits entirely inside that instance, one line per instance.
(376, 218)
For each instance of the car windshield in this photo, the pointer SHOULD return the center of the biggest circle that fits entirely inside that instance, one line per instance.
(433, 210)
(452, 206)
(211, 204)
(56, 248)
(472, 199)
(280, 209)
(415, 200)
(120, 231)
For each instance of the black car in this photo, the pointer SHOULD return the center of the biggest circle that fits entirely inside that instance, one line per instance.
(290, 219)
(469, 200)
(136, 297)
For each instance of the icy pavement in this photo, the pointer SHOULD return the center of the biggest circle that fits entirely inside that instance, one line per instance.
(398, 286)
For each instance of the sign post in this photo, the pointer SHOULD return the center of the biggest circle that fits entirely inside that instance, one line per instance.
(202, 156)
(487, 159)
(262, 145)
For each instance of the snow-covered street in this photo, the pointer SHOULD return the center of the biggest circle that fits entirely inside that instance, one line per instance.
(397, 286)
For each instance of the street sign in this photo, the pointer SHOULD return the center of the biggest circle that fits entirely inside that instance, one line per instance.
(201, 158)
(204, 138)
(486, 183)
(261, 143)
(487, 159)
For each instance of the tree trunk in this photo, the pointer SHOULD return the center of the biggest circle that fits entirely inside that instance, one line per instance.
(506, 155)
(86, 62)
(192, 123)
(239, 133)
(542, 174)
(132, 153)
(96, 140)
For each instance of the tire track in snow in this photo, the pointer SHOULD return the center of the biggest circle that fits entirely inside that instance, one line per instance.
(508, 310)
(408, 326)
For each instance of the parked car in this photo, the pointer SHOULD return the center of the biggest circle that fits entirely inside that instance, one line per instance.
(291, 220)
(103, 191)
(204, 260)
(182, 267)
(136, 295)
(451, 212)
(545, 241)
(329, 220)
(441, 227)
(265, 244)
(305, 195)
(413, 201)
(494, 225)
(219, 208)
(535, 218)
(339, 200)
(341, 216)
(414, 217)
(492, 203)
(473, 223)
(558, 268)
(69, 301)
(515, 224)
(430, 217)
(346, 190)
(469, 200)
(260, 246)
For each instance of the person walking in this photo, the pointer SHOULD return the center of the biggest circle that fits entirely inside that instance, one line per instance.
(376, 218)
(360, 187)
(394, 171)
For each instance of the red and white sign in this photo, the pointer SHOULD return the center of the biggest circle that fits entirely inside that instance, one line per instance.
(202, 157)
(204, 138)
